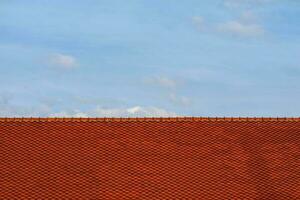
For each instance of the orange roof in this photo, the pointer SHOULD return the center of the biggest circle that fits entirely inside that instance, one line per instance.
(150, 158)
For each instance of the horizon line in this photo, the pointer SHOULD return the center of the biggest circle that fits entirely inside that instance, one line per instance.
(141, 119)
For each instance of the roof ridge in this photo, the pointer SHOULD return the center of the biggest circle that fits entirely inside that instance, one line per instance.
(144, 119)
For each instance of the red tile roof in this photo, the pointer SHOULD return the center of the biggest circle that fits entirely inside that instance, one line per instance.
(150, 158)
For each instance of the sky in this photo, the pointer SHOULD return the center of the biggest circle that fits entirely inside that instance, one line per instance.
(141, 58)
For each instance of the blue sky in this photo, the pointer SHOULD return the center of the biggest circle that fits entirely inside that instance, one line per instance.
(149, 58)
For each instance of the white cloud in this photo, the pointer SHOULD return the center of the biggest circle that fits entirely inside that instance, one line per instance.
(9, 109)
(238, 28)
(199, 22)
(42, 111)
(170, 89)
(108, 112)
(136, 111)
(63, 61)
(5, 98)
(163, 82)
(180, 100)
(68, 114)
(245, 26)
(239, 3)
(248, 17)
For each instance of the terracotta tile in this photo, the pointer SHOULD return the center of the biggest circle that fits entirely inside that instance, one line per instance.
(150, 158)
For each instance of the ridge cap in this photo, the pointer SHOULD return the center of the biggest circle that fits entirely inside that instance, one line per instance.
(146, 119)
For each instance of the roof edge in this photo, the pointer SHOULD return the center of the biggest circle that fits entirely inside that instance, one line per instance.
(145, 119)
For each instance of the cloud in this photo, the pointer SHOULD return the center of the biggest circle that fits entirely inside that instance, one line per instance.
(170, 88)
(180, 100)
(136, 111)
(199, 23)
(248, 17)
(163, 82)
(68, 114)
(240, 3)
(5, 98)
(238, 28)
(63, 61)
(44, 111)
(9, 109)
(245, 26)
(52, 109)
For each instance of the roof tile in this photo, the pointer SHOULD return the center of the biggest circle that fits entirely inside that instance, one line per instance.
(150, 158)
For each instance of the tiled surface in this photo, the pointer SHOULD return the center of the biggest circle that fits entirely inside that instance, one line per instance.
(152, 158)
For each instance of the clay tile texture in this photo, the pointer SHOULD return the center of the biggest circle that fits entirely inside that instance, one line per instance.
(150, 158)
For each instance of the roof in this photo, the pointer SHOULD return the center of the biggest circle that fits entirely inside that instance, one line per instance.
(150, 158)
